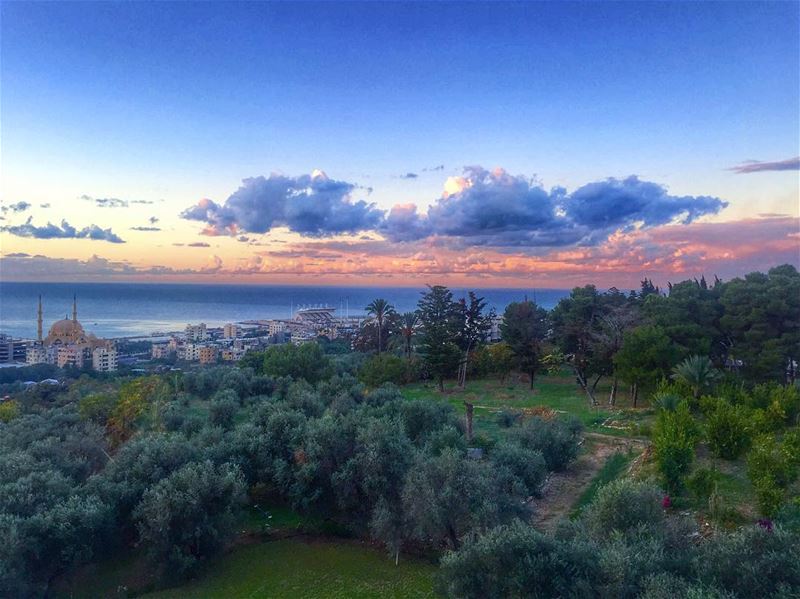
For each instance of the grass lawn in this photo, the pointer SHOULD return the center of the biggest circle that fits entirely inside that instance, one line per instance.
(307, 569)
(490, 396)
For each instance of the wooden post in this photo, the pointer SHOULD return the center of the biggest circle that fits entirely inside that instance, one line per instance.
(470, 409)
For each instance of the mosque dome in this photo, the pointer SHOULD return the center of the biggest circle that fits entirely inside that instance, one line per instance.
(66, 328)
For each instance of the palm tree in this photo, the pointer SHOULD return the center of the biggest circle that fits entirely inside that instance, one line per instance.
(697, 372)
(380, 309)
(409, 322)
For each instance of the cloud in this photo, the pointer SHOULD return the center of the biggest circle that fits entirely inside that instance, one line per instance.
(755, 166)
(153, 220)
(113, 202)
(409, 176)
(106, 202)
(494, 208)
(433, 168)
(46, 205)
(198, 244)
(145, 228)
(65, 231)
(18, 207)
(311, 205)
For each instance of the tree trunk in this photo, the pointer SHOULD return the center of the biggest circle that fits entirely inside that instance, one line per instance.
(441, 384)
(612, 398)
(453, 537)
(379, 336)
(532, 373)
(470, 410)
(635, 394)
(397, 556)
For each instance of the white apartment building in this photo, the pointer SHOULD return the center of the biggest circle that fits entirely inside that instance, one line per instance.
(196, 332)
(189, 352)
(276, 326)
(35, 354)
(104, 359)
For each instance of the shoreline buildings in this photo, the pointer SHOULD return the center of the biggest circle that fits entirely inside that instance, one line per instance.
(68, 344)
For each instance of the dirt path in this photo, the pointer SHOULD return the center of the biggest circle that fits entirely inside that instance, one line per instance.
(563, 489)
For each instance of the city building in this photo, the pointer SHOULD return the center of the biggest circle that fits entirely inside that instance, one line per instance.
(231, 331)
(159, 351)
(207, 354)
(196, 332)
(12, 350)
(67, 343)
(104, 359)
(189, 352)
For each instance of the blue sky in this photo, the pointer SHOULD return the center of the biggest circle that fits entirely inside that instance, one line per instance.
(180, 101)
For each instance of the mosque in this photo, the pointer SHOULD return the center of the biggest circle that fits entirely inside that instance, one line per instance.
(67, 344)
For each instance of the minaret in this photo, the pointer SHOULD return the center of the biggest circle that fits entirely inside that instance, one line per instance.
(39, 322)
(74, 308)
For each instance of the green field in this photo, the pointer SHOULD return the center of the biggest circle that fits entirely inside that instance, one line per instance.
(307, 569)
(559, 393)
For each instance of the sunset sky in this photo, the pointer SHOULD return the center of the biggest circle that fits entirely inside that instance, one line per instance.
(491, 145)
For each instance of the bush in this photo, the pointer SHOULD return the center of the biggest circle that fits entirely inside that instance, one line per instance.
(728, 430)
(772, 466)
(387, 368)
(752, 562)
(507, 418)
(557, 439)
(518, 561)
(702, 483)
(622, 506)
(186, 516)
(674, 438)
(305, 361)
(223, 409)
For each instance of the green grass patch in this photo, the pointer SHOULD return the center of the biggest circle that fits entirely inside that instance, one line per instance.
(490, 396)
(309, 569)
(613, 468)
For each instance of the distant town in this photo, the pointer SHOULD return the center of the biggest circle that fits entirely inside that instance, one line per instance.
(68, 344)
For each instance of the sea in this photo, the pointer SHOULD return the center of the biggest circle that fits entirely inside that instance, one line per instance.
(115, 310)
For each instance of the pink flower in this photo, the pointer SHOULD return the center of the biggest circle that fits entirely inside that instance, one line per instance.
(666, 503)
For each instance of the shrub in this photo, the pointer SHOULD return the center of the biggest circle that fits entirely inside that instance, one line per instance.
(557, 439)
(186, 516)
(223, 409)
(622, 506)
(702, 483)
(752, 562)
(9, 410)
(305, 361)
(674, 437)
(508, 418)
(518, 561)
(386, 368)
(772, 466)
(727, 430)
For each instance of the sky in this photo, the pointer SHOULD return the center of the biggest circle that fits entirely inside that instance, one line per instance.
(484, 144)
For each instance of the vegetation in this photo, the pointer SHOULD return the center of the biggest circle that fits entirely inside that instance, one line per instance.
(185, 476)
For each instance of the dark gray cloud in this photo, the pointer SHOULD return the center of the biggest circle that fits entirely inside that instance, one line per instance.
(312, 205)
(18, 207)
(65, 231)
(142, 202)
(494, 208)
(47, 205)
(409, 176)
(153, 220)
(755, 166)
(145, 228)
(198, 244)
(433, 168)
